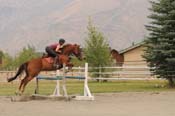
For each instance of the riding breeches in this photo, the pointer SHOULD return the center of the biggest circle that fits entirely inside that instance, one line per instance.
(51, 52)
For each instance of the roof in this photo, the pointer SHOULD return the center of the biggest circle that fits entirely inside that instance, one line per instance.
(131, 47)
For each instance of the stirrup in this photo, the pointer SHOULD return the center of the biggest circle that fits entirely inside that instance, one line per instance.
(56, 66)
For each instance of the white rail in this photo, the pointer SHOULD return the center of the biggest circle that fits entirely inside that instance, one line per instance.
(111, 72)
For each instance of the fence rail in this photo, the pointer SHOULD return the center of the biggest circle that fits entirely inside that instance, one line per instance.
(103, 73)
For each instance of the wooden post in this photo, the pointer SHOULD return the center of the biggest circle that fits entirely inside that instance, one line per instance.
(100, 71)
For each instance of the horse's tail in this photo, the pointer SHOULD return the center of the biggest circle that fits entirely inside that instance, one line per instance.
(19, 72)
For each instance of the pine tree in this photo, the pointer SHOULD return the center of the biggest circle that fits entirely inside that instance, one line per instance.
(160, 43)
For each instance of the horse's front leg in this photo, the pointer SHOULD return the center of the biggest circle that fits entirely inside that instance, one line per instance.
(69, 65)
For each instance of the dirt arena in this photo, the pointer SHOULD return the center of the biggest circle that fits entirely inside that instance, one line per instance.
(116, 104)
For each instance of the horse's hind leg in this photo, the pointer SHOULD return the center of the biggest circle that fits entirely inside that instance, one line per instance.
(26, 80)
(21, 84)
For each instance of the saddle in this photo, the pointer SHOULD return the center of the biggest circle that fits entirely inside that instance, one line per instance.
(47, 58)
(50, 60)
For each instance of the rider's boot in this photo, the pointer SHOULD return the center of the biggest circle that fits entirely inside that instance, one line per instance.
(56, 64)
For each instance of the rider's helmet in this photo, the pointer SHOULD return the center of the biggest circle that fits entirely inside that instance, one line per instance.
(61, 41)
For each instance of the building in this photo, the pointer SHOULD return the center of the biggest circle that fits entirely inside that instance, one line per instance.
(134, 63)
(133, 55)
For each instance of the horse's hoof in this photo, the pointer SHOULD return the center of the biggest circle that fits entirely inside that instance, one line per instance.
(18, 93)
(66, 71)
(8, 79)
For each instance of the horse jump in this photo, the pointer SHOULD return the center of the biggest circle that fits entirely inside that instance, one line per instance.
(87, 94)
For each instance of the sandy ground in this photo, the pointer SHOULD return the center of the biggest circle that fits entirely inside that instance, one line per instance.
(116, 104)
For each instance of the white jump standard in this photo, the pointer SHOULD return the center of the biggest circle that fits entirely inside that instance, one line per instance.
(87, 94)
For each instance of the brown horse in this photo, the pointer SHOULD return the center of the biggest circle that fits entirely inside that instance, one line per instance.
(34, 66)
(119, 58)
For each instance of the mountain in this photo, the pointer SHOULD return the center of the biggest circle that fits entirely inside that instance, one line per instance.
(41, 22)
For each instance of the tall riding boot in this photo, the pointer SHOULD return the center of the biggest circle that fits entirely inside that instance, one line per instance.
(55, 64)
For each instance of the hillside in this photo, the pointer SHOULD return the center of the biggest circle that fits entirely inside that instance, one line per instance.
(42, 22)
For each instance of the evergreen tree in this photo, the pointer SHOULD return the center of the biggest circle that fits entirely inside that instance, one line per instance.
(160, 43)
(96, 47)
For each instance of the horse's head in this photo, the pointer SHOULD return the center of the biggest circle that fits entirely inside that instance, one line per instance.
(114, 53)
(77, 51)
(118, 57)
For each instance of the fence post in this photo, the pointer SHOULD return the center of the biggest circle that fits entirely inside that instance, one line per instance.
(100, 71)
(100, 75)
(64, 81)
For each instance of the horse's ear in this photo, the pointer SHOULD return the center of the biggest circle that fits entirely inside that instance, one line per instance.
(76, 45)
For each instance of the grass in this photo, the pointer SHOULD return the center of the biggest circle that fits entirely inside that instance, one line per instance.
(76, 87)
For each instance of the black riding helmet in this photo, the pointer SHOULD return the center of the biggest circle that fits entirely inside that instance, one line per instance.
(61, 40)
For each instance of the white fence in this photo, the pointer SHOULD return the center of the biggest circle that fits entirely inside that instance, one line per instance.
(101, 73)
(122, 73)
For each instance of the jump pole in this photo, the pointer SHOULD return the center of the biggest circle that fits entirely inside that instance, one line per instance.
(87, 94)
(57, 88)
(64, 81)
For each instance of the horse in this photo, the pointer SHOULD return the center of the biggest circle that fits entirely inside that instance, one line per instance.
(34, 66)
(119, 58)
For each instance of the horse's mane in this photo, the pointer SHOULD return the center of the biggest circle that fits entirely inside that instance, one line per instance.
(66, 45)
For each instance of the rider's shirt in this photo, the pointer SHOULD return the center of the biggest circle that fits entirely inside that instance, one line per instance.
(56, 47)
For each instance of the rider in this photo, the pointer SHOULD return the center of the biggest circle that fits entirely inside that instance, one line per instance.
(53, 50)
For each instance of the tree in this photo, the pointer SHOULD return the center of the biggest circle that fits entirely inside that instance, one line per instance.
(1, 55)
(7, 61)
(96, 49)
(77, 62)
(26, 54)
(160, 43)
